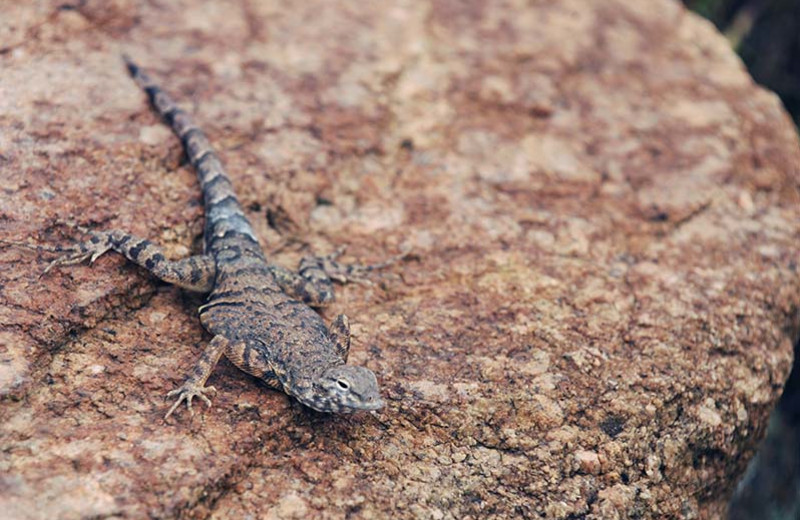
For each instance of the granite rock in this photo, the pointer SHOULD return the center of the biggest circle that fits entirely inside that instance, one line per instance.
(596, 321)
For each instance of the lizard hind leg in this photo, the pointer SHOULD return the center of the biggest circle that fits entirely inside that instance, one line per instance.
(312, 288)
(195, 273)
(313, 282)
(344, 273)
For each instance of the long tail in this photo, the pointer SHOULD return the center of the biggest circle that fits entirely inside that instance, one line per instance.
(225, 220)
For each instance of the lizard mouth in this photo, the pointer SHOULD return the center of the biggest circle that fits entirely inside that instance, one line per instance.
(368, 405)
(350, 407)
(374, 404)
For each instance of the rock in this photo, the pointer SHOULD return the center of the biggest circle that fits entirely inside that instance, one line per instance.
(597, 320)
(588, 462)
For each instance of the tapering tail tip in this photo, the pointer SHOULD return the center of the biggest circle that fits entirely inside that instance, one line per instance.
(132, 67)
(138, 75)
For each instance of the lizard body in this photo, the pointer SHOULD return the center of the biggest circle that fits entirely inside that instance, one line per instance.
(259, 314)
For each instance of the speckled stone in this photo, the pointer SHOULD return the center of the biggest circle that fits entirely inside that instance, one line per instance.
(599, 315)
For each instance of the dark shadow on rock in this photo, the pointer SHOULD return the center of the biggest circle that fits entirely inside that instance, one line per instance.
(771, 487)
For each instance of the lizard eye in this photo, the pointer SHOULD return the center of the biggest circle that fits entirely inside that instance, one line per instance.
(343, 384)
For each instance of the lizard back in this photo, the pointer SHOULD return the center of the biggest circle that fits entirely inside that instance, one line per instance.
(246, 304)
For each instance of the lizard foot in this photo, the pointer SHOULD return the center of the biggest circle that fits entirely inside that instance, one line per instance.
(347, 273)
(187, 392)
(97, 245)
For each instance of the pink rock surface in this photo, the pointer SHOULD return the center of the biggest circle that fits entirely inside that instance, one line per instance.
(599, 317)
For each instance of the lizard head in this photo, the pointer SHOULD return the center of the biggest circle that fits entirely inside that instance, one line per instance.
(346, 389)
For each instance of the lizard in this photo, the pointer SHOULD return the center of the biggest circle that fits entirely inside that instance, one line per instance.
(260, 315)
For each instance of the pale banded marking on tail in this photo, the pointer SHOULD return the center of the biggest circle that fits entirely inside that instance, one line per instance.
(224, 212)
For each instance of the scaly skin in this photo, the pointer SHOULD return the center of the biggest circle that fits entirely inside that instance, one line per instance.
(258, 313)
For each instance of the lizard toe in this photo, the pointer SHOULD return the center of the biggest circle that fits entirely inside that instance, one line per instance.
(187, 392)
(86, 251)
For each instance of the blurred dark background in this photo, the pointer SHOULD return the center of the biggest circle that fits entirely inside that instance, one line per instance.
(766, 34)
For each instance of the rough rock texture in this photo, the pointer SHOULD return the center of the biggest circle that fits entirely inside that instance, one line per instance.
(605, 214)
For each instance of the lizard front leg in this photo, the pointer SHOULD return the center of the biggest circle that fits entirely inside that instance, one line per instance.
(194, 386)
(313, 282)
(339, 332)
(195, 273)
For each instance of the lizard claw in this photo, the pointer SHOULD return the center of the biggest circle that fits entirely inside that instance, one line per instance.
(187, 392)
(97, 254)
(71, 258)
(353, 276)
(91, 250)
(357, 273)
(336, 254)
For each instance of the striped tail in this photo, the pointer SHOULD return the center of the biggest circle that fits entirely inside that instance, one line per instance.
(224, 216)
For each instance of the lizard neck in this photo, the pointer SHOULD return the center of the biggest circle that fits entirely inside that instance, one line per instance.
(301, 384)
